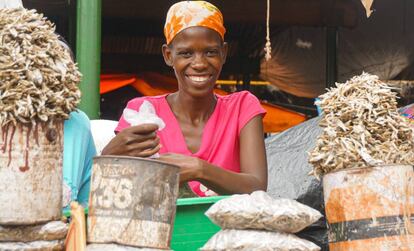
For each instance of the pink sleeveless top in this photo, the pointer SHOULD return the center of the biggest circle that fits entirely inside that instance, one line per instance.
(220, 140)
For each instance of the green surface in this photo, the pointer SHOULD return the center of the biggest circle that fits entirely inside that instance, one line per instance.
(192, 229)
(88, 54)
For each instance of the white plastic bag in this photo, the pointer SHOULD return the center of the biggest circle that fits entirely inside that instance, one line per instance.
(249, 240)
(145, 115)
(260, 211)
(10, 4)
(102, 132)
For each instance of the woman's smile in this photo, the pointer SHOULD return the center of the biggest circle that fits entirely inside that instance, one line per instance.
(199, 79)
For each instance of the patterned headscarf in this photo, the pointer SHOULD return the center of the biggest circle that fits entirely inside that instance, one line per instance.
(187, 14)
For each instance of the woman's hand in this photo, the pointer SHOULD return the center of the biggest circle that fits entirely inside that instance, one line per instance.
(136, 141)
(253, 165)
(190, 167)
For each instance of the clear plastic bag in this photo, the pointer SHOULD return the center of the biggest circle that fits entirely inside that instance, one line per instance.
(145, 115)
(260, 211)
(114, 247)
(248, 240)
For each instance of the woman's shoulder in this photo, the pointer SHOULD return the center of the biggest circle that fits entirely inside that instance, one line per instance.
(242, 105)
(238, 97)
(79, 119)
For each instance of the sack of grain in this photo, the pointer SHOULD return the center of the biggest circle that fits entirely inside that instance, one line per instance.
(260, 211)
(248, 240)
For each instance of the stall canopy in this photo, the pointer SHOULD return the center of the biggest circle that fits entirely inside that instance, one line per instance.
(132, 30)
(150, 84)
(381, 44)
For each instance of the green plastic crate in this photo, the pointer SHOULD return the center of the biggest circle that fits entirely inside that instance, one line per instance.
(192, 229)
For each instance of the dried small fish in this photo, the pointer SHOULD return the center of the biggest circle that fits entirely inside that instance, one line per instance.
(362, 127)
(38, 79)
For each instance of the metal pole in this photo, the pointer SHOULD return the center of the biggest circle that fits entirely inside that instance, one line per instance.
(72, 22)
(331, 59)
(88, 54)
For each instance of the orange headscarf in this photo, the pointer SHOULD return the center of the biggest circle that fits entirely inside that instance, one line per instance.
(187, 14)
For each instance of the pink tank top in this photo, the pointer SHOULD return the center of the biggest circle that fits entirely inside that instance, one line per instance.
(220, 140)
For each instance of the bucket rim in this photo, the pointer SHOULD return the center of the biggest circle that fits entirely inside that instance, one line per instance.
(367, 168)
(135, 158)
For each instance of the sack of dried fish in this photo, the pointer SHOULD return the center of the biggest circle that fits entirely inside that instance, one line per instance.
(361, 127)
(260, 211)
(248, 240)
(39, 80)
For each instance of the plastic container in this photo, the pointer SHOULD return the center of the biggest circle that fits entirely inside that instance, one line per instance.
(192, 229)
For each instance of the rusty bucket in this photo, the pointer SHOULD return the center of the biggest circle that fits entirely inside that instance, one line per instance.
(370, 208)
(31, 173)
(132, 201)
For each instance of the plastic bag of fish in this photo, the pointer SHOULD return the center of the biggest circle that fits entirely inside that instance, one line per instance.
(260, 211)
(116, 247)
(248, 240)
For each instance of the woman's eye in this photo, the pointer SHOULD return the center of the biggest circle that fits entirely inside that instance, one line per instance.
(212, 53)
(185, 54)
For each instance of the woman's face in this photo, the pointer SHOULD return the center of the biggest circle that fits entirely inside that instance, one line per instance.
(197, 55)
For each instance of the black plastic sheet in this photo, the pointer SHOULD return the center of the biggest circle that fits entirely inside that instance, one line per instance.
(287, 158)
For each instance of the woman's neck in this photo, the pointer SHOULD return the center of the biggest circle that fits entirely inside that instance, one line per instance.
(189, 108)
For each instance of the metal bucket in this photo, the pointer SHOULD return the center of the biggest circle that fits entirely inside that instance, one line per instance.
(132, 201)
(31, 174)
(370, 208)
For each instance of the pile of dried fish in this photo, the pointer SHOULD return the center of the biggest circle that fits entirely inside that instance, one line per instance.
(38, 78)
(361, 127)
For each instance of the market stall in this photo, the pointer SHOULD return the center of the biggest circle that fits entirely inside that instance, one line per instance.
(361, 148)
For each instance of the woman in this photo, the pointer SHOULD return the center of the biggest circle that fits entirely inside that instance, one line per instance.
(216, 140)
(78, 152)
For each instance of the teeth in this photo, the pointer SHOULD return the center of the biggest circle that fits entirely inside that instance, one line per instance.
(198, 78)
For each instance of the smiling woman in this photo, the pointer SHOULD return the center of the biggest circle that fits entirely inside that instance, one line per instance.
(216, 140)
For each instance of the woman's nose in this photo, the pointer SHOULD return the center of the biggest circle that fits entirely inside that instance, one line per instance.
(199, 62)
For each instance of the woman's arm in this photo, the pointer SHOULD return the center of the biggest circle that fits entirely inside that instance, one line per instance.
(253, 165)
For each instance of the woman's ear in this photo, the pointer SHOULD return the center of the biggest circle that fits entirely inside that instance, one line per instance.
(167, 54)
